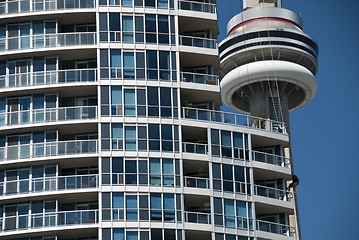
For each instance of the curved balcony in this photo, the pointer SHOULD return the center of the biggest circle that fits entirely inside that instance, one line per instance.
(198, 42)
(49, 149)
(37, 116)
(48, 78)
(233, 119)
(47, 184)
(188, 77)
(270, 159)
(196, 182)
(48, 220)
(47, 41)
(197, 217)
(273, 193)
(197, 6)
(276, 228)
(29, 6)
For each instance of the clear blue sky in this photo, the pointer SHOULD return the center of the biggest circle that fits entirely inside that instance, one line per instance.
(325, 131)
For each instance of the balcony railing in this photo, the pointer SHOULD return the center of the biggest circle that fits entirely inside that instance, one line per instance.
(198, 42)
(24, 6)
(46, 184)
(47, 41)
(198, 148)
(50, 219)
(199, 78)
(233, 118)
(197, 6)
(49, 149)
(270, 159)
(276, 228)
(48, 77)
(196, 217)
(196, 182)
(48, 115)
(273, 193)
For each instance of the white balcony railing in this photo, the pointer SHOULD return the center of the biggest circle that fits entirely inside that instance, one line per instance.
(196, 182)
(197, 217)
(48, 77)
(270, 159)
(274, 193)
(197, 6)
(276, 228)
(24, 6)
(198, 42)
(233, 118)
(45, 184)
(198, 148)
(47, 41)
(48, 115)
(49, 219)
(49, 149)
(200, 78)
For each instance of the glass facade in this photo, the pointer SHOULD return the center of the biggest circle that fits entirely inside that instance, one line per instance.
(111, 128)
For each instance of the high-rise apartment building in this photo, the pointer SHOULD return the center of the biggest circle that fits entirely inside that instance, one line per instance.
(111, 128)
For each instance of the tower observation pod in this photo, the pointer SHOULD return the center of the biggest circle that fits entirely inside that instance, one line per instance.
(267, 62)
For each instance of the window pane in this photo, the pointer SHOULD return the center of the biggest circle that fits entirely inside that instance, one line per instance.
(116, 95)
(117, 200)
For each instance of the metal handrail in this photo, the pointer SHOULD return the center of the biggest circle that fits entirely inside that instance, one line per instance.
(270, 159)
(26, 6)
(197, 217)
(48, 149)
(47, 40)
(48, 77)
(49, 219)
(233, 118)
(200, 78)
(197, 6)
(198, 148)
(48, 115)
(44, 184)
(196, 182)
(198, 42)
(276, 228)
(274, 193)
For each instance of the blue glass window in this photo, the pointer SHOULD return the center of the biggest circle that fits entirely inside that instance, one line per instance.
(162, 3)
(126, 2)
(229, 213)
(131, 172)
(130, 104)
(118, 234)
(116, 100)
(131, 207)
(168, 174)
(117, 135)
(131, 235)
(155, 171)
(127, 29)
(169, 206)
(156, 206)
(130, 138)
(128, 65)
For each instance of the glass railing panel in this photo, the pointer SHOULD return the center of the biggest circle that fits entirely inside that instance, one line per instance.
(24, 6)
(275, 228)
(273, 193)
(198, 42)
(231, 118)
(195, 217)
(49, 115)
(196, 182)
(197, 6)
(198, 148)
(48, 149)
(270, 159)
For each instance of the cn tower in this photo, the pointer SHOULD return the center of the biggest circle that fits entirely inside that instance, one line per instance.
(268, 64)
